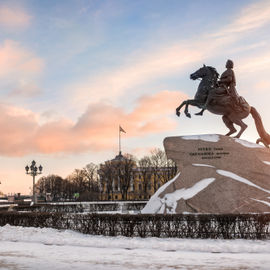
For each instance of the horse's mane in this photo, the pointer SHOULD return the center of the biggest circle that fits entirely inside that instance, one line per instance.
(213, 70)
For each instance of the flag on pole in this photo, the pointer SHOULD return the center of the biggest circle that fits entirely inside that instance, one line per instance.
(121, 129)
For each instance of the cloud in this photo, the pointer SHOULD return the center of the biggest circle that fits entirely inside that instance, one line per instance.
(14, 17)
(150, 115)
(252, 17)
(16, 60)
(25, 89)
(20, 69)
(263, 85)
(159, 104)
(168, 60)
(95, 130)
(259, 62)
(140, 152)
(144, 67)
(18, 127)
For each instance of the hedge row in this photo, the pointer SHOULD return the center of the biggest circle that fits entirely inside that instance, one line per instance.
(250, 226)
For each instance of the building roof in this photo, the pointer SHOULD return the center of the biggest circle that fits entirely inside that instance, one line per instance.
(119, 157)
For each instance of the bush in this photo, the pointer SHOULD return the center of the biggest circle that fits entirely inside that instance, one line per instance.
(233, 226)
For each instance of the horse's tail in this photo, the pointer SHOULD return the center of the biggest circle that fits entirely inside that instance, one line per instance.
(264, 136)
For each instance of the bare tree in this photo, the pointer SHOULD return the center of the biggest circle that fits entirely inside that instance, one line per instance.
(125, 172)
(90, 171)
(163, 169)
(41, 185)
(107, 175)
(82, 181)
(145, 174)
(158, 160)
(91, 176)
(78, 179)
(53, 184)
(169, 171)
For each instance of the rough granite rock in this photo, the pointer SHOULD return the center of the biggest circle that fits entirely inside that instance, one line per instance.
(217, 174)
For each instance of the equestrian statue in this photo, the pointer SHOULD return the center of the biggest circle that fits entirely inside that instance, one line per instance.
(220, 97)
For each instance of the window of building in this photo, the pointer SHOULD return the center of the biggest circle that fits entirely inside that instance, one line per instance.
(149, 186)
(140, 186)
(116, 197)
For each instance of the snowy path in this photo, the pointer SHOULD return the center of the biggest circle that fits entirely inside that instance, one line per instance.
(34, 248)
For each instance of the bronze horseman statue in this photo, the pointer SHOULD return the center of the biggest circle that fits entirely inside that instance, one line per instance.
(220, 97)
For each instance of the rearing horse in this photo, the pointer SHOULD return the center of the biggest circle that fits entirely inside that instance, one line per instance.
(221, 103)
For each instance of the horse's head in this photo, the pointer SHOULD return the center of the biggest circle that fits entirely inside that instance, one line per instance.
(205, 72)
(200, 73)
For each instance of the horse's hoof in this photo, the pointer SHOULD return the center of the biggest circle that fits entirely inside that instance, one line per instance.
(199, 113)
(262, 141)
(188, 115)
(178, 113)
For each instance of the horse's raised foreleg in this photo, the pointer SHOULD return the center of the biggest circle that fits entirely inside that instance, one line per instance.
(200, 112)
(192, 102)
(180, 107)
(186, 103)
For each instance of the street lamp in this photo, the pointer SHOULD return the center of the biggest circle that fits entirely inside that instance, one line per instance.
(33, 170)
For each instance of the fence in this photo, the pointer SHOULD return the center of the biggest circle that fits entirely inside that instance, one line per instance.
(86, 207)
(250, 226)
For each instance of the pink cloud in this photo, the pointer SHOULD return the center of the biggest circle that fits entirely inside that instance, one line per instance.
(150, 106)
(16, 60)
(18, 127)
(13, 17)
(95, 130)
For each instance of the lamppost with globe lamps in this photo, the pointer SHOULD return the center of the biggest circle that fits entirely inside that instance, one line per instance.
(33, 170)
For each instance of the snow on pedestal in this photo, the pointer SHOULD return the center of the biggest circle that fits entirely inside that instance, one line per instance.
(217, 174)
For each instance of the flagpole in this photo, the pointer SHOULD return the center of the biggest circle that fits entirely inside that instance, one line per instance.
(119, 140)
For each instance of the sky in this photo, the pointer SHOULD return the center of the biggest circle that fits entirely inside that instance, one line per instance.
(71, 71)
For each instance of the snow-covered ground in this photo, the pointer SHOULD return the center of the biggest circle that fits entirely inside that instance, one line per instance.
(36, 248)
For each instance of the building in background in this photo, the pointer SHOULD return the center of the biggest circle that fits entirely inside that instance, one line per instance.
(122, 178)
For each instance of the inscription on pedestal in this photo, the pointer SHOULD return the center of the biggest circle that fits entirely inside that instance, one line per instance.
(210, 152)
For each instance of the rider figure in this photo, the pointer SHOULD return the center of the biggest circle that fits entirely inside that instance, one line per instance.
(227, 81)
